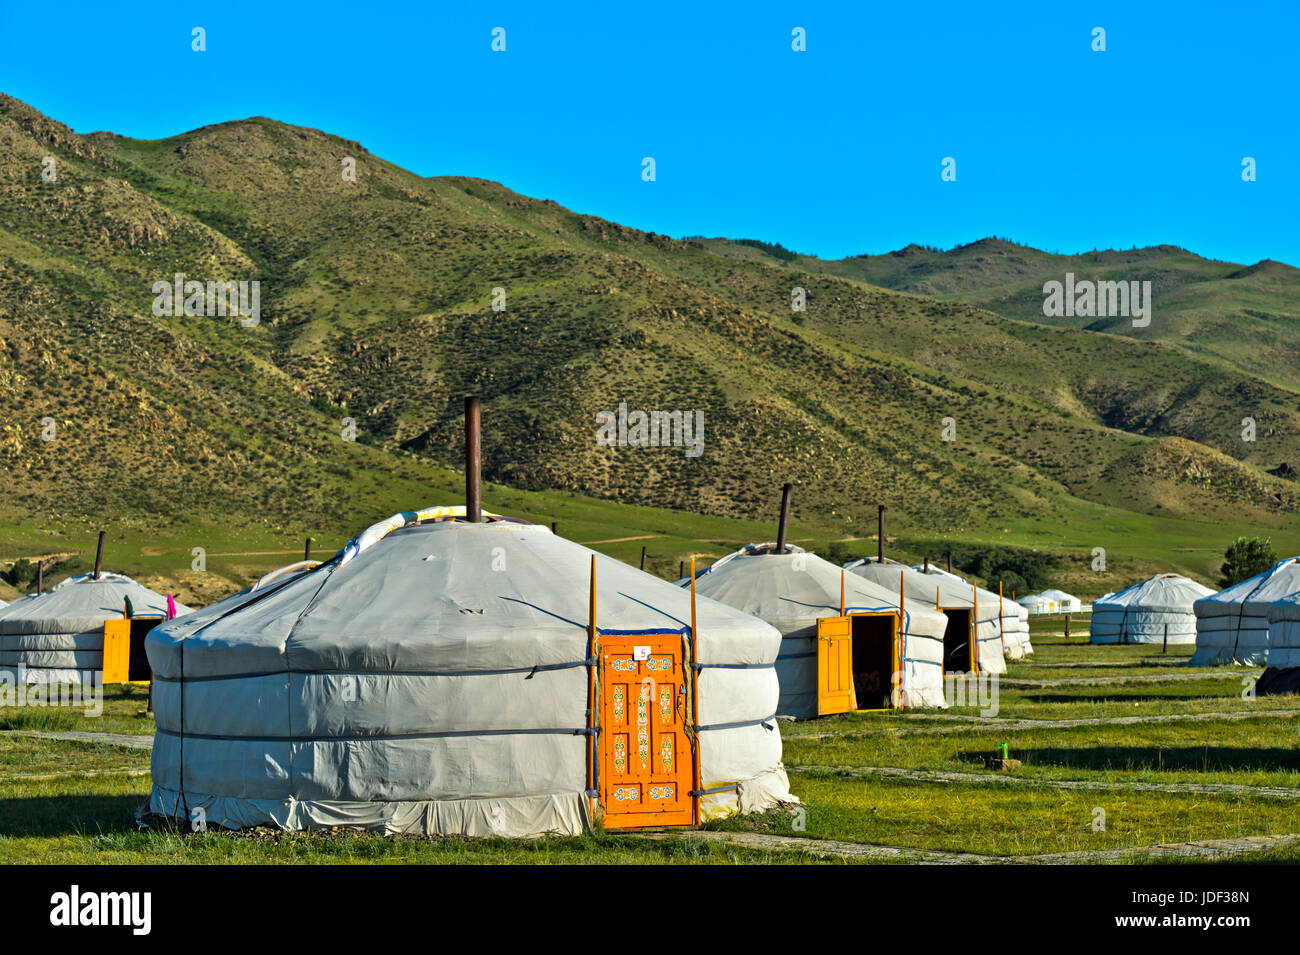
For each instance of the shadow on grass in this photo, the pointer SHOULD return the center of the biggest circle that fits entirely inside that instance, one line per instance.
(1166, 759)
(1117, 695)
(68, 815)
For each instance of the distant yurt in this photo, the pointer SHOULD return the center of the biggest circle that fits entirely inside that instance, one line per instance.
(58, 636)
(1065, 603)
(457, 676)
(793, 590)
(1037, 603)
(1012, 620)
(1232, 626)
(1153, 611)
(972, 638)
(1283, 657)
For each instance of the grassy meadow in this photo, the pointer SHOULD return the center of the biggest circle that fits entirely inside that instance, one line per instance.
(1167, 753)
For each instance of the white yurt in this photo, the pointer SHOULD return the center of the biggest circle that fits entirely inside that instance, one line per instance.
(58, 636)
(940, 572)
(1284, 632)
(1152, 611)
(973, 635)
(447, 676)
(793, 589)
(1065, 603)
(1232, 626)
(1013, 620)
(1282, 675)
(1037, 603)
(1015, 629)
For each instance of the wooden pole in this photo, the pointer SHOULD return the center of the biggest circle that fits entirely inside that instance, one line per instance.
(1067, 627)
(880, 533)
(99, 556)
(592, 782)
(1164, 647)
(1001, 624)
(902, 642)
(473, 463)
(695, 696)
(785, 518)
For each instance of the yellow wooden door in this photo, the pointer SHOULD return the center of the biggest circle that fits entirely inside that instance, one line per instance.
(117, 650)
(646, 765)
(834, 666)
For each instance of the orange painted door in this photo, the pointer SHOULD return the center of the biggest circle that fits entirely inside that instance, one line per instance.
(834, 666)
(117, 650)
(646, 768)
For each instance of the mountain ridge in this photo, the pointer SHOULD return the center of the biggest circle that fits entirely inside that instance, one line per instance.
(377, 305)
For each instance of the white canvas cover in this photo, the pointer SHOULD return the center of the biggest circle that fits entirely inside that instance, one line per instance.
(1284, 633)
(1065, 603)
(940, 572)
(1012, 622)
(792, 590)
(1232, 626)
(432, 678)
(1015, 629)
(924, 588)
(58, 636)
(1146, 611)
(1037, 603)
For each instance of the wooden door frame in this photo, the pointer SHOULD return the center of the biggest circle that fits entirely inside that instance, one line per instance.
(686, 773)
(895, 655)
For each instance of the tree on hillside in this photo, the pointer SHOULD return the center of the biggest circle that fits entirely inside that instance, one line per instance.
(1246, 557)
(21, 574)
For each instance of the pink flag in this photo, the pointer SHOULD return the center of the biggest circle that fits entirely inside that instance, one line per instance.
(171, 607)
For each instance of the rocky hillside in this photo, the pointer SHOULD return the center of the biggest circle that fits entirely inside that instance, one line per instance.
(377, 304)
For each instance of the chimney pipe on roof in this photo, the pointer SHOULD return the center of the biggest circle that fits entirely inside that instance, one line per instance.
(306, 551)
(473, 466)
(950, 562)
(99, 556)
(40, 577)
(785, 519)
(880, 534)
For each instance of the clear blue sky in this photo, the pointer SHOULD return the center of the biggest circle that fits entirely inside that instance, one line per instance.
(833, 151)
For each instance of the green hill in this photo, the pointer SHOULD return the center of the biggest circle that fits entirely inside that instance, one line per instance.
(376, 304)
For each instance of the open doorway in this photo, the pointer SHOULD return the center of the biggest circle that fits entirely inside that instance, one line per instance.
(139, 670)
(873, 659)
(957, 641)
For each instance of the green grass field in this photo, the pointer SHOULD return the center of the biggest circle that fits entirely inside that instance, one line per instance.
(1193, 760)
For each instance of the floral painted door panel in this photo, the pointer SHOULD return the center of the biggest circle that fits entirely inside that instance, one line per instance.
(646, 769)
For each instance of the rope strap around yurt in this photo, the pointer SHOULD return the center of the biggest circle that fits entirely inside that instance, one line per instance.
(1236, 637)
(184, 806)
